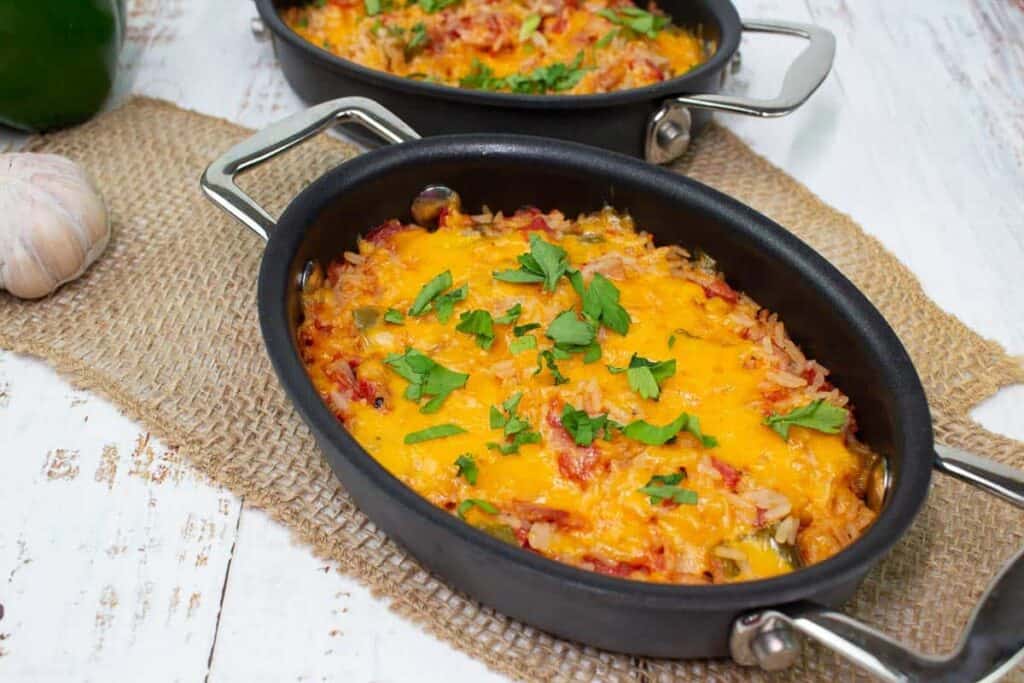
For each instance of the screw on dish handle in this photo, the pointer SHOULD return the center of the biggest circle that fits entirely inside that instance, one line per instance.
(218, 181)
(991, 645)
(668, 130)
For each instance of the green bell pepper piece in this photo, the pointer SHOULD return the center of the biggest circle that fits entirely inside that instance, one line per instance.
(58, 59)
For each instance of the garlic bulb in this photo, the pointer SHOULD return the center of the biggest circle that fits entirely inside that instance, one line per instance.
(53, 223)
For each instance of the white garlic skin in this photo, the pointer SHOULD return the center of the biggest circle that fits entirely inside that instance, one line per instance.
(53, 223)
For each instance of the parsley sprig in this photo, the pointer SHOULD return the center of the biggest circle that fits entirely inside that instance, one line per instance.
(515, 429)
(645, 376)
(636, 19)
(584, 428)
(434, 296)
(817, 415)
(435, 432)
(601, 301)
(665, 487)
(545, 263)
(426, 378)
(654, 435)
(466, 468)
(555, 77)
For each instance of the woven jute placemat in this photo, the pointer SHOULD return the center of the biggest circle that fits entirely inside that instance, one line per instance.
(165, 325)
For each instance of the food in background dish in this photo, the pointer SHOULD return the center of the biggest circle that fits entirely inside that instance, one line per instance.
(531, 47)
(568, 387)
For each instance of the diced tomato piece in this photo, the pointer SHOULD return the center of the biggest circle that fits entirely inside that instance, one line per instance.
(722, 290)
(579, 464)
(382, 234)
(730, 475)
(538, 224)
(533, 513)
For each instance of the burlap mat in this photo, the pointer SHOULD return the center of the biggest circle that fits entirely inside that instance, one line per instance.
(165, 325)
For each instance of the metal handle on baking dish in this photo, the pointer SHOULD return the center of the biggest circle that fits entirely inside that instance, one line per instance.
(218, 181)
(991, 645)
(668, 130)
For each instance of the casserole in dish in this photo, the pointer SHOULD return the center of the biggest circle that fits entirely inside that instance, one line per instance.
(753, 621)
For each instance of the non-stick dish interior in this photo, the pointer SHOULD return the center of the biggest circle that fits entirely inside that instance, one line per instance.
(825, 314)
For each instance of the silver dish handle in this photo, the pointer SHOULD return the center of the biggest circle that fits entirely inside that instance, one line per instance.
(218, 181)
(668, 129)
(991, 645)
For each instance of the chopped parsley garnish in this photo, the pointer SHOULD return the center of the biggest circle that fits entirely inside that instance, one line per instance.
(467, 468)
(469, 503)
(432, 6)
(671, 340)
(636, 19)
(426, 378)
(530, 24)
(480, 324)
(433, 296)
(654, 435)
(606, 39)
(373, 7)
(515, 429)
(511, 315)
(418, 39)
(435, 432)
(584, 428)
(817, 415)
(552, 78)
(520, 344)
(545, 263)
(547, 357)
(569, 331)
(394, 317)
(601, 301)
(520, 330)
(645, 376)
(665, 487)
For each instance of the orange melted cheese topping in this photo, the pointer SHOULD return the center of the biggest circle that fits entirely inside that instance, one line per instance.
(764, 504)
(617, 45)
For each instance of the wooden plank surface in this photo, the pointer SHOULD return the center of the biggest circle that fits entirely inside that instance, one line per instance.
(118, 562)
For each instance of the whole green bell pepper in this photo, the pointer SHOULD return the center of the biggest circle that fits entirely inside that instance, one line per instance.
(58, 59)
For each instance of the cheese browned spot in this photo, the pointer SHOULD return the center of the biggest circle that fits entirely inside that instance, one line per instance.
(763, 504)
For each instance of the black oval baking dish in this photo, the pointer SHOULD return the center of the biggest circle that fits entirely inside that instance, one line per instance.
(824, 312)
(653, 122)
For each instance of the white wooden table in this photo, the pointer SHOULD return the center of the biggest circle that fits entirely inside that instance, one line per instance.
(119, 563)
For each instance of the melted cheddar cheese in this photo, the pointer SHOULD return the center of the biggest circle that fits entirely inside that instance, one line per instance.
(525, 46)
(761, 504)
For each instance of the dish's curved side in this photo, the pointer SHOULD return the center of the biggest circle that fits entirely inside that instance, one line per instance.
(506, 171)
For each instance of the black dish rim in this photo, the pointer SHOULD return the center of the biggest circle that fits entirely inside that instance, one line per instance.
(904, 499)
(722, 11)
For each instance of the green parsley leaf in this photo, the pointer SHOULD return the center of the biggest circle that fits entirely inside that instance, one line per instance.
(636, 19)
(592, 353)
(545, 263)
(430, 292)
(394, 317)
(426, 378)
(530, 24)
(372, 7)
(606, 39)
(520, 330)
(817, 415)
(671, 340)
(567, 329)
(319, 3)
(515, 429)
(478, 323)
(445, 304)
(432, 6)
(645, 376)
(585, 428)
(552, 78)
(517, 346)
(467, 468)
(601, 301)
(662, 487)
(548, 357)
(519, 277)
(653, 435)
(418, 38)
(511, 315)
(483, 505)
(435, 432)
